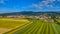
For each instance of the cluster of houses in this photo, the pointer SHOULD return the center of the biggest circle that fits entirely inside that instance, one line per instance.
(47, 18)
(32, 16)
(42, 17)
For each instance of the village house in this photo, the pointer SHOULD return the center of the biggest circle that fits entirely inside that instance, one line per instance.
(49, 20)
(12, 16)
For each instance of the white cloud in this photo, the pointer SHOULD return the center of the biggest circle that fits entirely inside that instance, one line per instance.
(51, 6)
(51, 0)
(58, 0)
(3, 1)
(46, 3)
(43, 4)
(38, 6)
(33, 6)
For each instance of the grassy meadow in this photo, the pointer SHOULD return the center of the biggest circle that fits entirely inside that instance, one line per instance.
(28, 26)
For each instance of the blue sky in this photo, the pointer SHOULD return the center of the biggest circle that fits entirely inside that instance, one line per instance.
(29, 5)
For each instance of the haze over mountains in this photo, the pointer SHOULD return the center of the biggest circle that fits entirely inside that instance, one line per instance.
(31, 13)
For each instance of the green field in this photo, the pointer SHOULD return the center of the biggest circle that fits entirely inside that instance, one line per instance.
(34, 26)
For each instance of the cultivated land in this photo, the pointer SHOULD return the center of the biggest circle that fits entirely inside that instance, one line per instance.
(7, 24)
(28, 26)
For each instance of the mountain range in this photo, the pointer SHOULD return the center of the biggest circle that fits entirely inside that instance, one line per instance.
(30, 13)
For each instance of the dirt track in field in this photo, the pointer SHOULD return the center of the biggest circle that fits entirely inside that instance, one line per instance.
(3, 30)
(15, 20)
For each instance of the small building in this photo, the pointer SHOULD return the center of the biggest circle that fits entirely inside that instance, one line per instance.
(12, 16)
(49, 20)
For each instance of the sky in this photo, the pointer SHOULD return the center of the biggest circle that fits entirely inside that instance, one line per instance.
(29, 5)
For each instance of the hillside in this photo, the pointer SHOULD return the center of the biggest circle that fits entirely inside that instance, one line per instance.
(31, 13)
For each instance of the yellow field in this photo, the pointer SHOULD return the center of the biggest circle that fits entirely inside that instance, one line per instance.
(7, 24)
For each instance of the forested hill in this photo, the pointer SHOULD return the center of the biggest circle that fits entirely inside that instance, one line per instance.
(31, 13)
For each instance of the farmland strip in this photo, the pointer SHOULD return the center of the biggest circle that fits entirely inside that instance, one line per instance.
(30, 32)
(56, 32)
(17, 28)
(30, 28)
(38, 27)
(39, 31)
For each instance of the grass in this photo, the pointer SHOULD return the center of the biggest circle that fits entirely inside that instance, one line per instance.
(38, 27)
(57, 28)
(33, 27)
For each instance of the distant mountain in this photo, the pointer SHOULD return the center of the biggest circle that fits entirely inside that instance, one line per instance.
(31, 13)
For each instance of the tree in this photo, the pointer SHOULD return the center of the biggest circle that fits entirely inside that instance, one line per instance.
(54, 18)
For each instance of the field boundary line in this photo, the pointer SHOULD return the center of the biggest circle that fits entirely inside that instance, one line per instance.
(54, 29)
(39, 31)
(17, 28)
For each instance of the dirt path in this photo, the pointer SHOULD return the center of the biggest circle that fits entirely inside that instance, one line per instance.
(3, 30)
(15, 20)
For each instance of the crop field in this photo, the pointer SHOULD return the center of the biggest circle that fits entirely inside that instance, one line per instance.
(37, 27)
(7, 24)
(26, 26)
